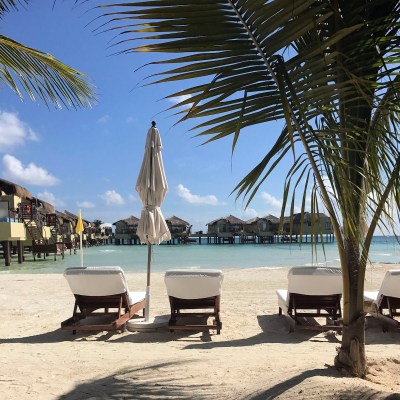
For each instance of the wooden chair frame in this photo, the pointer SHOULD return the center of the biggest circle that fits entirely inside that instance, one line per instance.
(328, 306)
(211, 303)
(392, 304)
(88, 306)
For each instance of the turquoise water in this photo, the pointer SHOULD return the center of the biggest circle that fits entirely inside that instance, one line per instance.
(134, 258)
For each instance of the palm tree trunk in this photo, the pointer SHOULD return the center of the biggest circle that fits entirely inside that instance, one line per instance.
(351, 355)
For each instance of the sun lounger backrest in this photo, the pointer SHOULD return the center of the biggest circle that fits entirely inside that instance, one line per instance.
(390, 285)
(193, 283)
(315, 281)
(96, 281)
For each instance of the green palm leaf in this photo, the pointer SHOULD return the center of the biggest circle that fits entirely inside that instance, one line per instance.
(42, 77)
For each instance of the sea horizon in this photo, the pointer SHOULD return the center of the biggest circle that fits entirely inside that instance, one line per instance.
(133, 258)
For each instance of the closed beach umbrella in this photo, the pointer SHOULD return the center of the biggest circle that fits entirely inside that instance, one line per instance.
(152, 187)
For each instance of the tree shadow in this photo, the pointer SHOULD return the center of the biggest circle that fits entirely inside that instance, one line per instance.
(293, 387)
(157, 381)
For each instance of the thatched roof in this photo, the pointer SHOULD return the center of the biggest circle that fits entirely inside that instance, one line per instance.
(230, 218)
(65, 217)
(306, 217)
(177, 221)
(74, 218)
(10, 188)
(132, 220)
(42, 205)
(70, 215)
(269, 218)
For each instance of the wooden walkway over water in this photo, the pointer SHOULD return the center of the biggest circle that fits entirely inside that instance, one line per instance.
(229, 239)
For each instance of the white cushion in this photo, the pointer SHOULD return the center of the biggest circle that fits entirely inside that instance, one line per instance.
(96, 281)
(312, 281)
(390, 287)
(193, 283)
(315, 280)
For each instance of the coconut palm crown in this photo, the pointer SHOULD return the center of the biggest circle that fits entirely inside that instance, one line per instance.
(330, 70)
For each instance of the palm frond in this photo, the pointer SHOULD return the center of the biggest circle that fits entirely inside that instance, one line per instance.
(41, 76)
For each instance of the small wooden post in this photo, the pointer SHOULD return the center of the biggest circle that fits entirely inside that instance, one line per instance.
(7, 253)
(20, 248)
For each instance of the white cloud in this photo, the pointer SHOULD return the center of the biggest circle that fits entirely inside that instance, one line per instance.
(104, 119)
(271, 200)
(112, 198)
(186, 195)
(85, 204)
(14, 170)
(132, 198)
(50, 198)
(250, 213)
(178, 99)
(14, 132)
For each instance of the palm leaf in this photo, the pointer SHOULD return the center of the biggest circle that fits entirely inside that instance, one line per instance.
(43, 77)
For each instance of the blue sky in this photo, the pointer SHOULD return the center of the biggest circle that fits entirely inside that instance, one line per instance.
(90, 158)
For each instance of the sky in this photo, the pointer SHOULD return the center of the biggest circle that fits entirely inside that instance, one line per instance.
(90, 158)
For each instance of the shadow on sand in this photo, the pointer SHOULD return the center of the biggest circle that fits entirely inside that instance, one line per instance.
(170, 381)
(157, 381)
(293, 388)
(274, 329)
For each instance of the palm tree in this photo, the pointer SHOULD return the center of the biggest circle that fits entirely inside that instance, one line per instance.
(39, 75)
(329, 69)
(97, 224)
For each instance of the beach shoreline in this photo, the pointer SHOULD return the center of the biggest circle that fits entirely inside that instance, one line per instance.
(254, 357)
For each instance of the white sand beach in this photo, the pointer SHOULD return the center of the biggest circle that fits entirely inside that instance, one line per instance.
(254, 357)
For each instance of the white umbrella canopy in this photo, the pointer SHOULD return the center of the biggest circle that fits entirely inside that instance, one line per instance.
(152, 187)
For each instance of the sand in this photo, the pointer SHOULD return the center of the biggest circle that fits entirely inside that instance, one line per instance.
(255, 357)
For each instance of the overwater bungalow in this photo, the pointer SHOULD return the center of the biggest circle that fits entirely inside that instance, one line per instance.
(225, 229)
(261, 229)
(179, 228)
(125, 231)
(12, 229)
(304, 229)
(40, 221)
(86, 229)
(65, 227)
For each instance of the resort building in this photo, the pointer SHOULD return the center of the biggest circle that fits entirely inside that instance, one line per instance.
(303, 228)
(65, 224)
(179, 229)
(225, 229)
(12, 230)
(125, 231)
(261, 229)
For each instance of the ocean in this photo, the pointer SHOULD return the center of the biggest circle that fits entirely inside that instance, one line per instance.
(224, 256)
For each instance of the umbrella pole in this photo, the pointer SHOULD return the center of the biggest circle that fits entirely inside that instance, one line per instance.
(147, 303)
(81, 250)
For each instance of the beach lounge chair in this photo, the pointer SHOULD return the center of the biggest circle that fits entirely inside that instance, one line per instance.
(312, 292)
(385, 304)
(197, 290)
(102, 299)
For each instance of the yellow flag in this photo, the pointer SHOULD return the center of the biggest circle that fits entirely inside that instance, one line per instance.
(79, 224)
